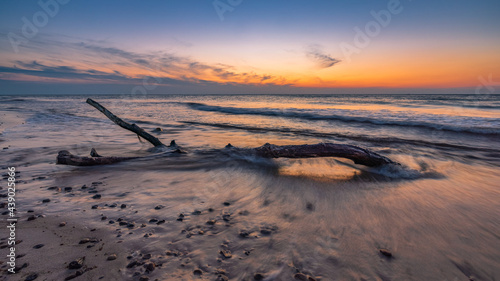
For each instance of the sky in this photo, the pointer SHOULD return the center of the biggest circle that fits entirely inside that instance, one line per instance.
(248, 46)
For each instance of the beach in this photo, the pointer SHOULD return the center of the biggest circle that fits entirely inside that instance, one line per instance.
(207, 215)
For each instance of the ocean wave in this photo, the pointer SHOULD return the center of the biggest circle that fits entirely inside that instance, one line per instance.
(473, 125)
(350, 136)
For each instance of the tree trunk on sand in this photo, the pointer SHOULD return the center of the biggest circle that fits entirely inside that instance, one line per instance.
(357, 154)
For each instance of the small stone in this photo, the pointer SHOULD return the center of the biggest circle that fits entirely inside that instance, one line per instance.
(196, 212)
(38, 246)
(84, 240)
(226, 254)
(153, 220)
(30, 218)
(222, 277)
(258, 276)
(310, 206)
(111, 222)
(104, 218)
(97, 196)
(68, 189)
(143, 278)
(226, 203)
(31, 277)
(132, 264)
(211, 222)
(150, 266)
(300, 276)
(146, 257)
(46, 200)
(158, 129)
(386, 253)
(123, 206)
(111, 257)
(244, 234)
(159, 207)
(76, 264)
(198, 272)
(62, 224)
(113, 205)
(95, 206)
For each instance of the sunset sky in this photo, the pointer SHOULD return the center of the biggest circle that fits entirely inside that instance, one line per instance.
(246, 46)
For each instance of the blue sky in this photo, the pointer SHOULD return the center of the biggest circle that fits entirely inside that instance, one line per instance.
(258, 46)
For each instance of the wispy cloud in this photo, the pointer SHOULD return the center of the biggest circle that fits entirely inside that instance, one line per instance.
(90, 60)
(322, 60)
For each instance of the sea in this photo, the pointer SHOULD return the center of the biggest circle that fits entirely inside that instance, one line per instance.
(438, 214)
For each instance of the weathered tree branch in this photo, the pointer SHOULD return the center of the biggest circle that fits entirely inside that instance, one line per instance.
(66, 158)
(357, 154)
(131, 127)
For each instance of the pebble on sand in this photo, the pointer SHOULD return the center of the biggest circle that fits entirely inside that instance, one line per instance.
(47, 200)
(197, 272)
(31, 277)
(386, 253)
(258, 276)
(111, 257)
(38, 246)
(97, 196)
(62, 224)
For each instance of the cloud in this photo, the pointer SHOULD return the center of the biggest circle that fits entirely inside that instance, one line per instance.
(322, 60)
(68, 59)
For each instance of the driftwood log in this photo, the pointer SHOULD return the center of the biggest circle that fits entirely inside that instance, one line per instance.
(357, 154)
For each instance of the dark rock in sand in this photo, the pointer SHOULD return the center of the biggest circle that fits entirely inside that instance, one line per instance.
(244, 233)
(386, 253)
(210, 210)
(310, 206)
(97, 196)
(211, 222)
(93, 191)
(68, 189)
(132, 264)
(150, 266)
(95, 206)
(76, 264)
(83, 187)
(143, 278)
(104, 218)
(160, 222)
(123, 223)
(131, 225)
(123, 206)
(159, 207)
(153, 220)
(226, 254)
(29, 211)
(113, 205)
(258, 276)
(31, 218)
(31, 277)
(158, 129)
(111, 222)
(226, 203)
(111, 257)
(198, 272)
(196, 212)
(46, 200)
(62, 224)
(226, 217)
(300, 276)
(38, 246)
(222, 277)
